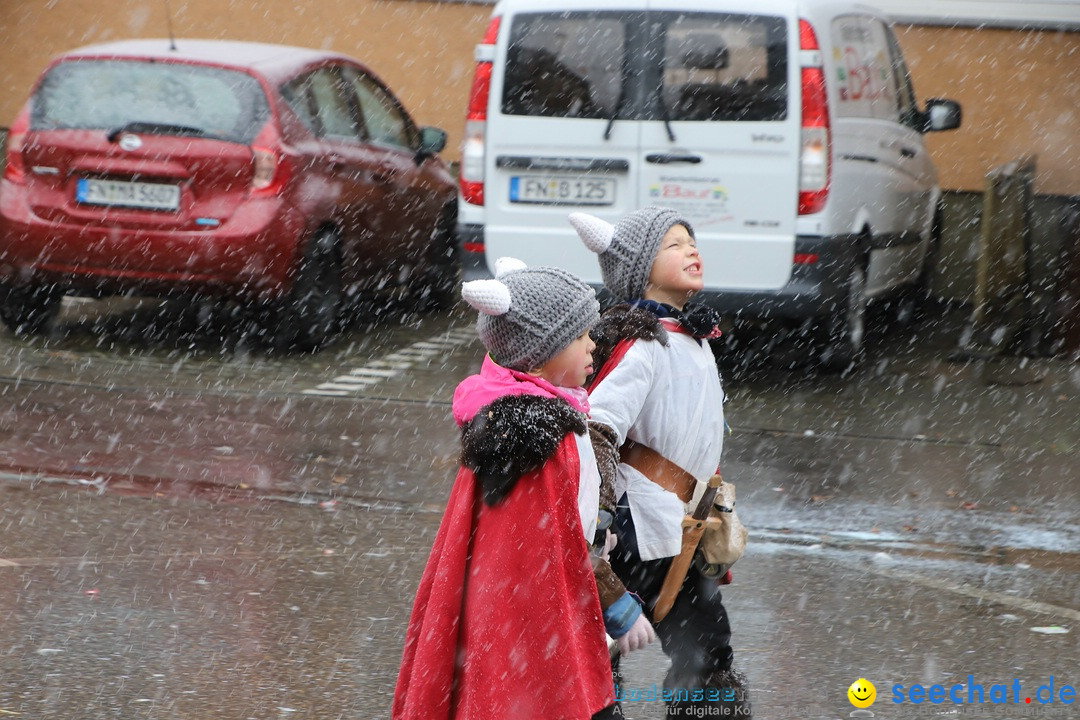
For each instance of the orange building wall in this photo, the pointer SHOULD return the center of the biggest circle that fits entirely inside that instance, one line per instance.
(422, 50)
(1020, 90)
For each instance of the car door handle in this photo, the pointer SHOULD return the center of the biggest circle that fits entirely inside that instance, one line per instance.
(672, 158)
(383, 174)
(907, 152)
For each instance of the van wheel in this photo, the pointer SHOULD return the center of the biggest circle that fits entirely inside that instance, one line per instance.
(910, 303)
(29, 310)
(844, 333)
(308, 317)
(440, 287)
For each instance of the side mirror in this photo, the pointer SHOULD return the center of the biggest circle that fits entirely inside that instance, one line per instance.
(432, 142)
(941, 115)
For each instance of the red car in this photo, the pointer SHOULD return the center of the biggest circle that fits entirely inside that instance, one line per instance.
(284, 177)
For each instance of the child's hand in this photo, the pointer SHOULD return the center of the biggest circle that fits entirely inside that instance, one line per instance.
(640, 635)
(610, 541)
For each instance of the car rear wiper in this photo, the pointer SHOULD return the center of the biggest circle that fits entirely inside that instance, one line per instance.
(155, 128)
(664, 113)
(615, 114)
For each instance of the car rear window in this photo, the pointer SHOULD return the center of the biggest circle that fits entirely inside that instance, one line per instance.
(655, 65)
(178, 97)
(725, 67)
(565, 65)
(647, 66)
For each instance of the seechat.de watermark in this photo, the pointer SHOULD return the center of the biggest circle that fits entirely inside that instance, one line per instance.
(1015, 697)
(974, 693)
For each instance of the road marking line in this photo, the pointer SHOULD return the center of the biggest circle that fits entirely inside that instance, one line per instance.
(352, 380)
(1033, 606)
(392, 364)
(375, 372)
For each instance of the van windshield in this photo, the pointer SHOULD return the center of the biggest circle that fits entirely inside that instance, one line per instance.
(111, 94)
(647, 66)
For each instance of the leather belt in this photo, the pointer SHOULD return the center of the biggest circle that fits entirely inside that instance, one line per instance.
(659, 469)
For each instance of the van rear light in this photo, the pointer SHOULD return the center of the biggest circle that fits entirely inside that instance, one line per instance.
(471, 178)
(814, 166)
(270, 167)
(15, 171)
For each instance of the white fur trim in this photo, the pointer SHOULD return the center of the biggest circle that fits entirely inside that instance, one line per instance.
(594, 232)
(490, 297)
(508, 264)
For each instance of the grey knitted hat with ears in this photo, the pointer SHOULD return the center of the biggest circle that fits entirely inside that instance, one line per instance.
(627, 249)
(530, 315)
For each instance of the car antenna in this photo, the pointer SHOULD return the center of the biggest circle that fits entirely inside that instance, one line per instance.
(168, 20)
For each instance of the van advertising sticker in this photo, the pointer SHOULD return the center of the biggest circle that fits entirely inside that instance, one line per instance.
(703, 201)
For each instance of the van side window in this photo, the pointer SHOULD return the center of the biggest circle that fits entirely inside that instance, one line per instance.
(905, 95)
(724, 67)
(866, 83)
(564, 65)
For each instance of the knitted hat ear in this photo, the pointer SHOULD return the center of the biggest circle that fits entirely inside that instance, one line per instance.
(594, 232)
(508, 264)
(490, 297)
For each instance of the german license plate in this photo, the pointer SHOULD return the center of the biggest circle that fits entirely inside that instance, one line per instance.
(562, 190)
(120, 193)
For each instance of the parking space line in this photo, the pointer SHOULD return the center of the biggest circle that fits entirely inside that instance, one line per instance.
(1033, 606)
(353, 380)
(374, 372)
(392, 364)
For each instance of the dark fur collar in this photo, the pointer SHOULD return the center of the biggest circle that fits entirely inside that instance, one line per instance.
(513, 436)
(619, 322)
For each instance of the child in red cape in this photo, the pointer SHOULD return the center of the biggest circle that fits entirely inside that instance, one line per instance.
(507, 622)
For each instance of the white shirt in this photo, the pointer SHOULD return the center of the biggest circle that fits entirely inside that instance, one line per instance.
(588, 486)
(669, 399)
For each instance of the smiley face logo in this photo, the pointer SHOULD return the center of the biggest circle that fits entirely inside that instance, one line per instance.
(862, 693)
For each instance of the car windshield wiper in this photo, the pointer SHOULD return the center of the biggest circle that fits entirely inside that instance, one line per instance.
(155, 128)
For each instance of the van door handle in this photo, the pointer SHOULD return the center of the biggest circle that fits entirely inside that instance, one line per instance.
(899, 147)
(672, 158)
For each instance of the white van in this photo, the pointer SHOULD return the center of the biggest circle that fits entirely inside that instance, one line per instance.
(786, 131)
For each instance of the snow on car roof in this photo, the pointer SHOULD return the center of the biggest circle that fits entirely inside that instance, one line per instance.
(259, 56)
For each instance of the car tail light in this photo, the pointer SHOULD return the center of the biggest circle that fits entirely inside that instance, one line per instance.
(814, 157)
(16, 166)
(270, 166)
(471, 178)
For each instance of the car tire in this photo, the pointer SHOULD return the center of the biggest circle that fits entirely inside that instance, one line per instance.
(442, 279)
(29, 310)
(308, 318)
(842, 345)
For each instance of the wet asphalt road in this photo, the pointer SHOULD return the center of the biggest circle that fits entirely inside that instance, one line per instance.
(192, 526)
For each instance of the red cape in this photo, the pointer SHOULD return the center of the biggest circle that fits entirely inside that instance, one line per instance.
(526, 628)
